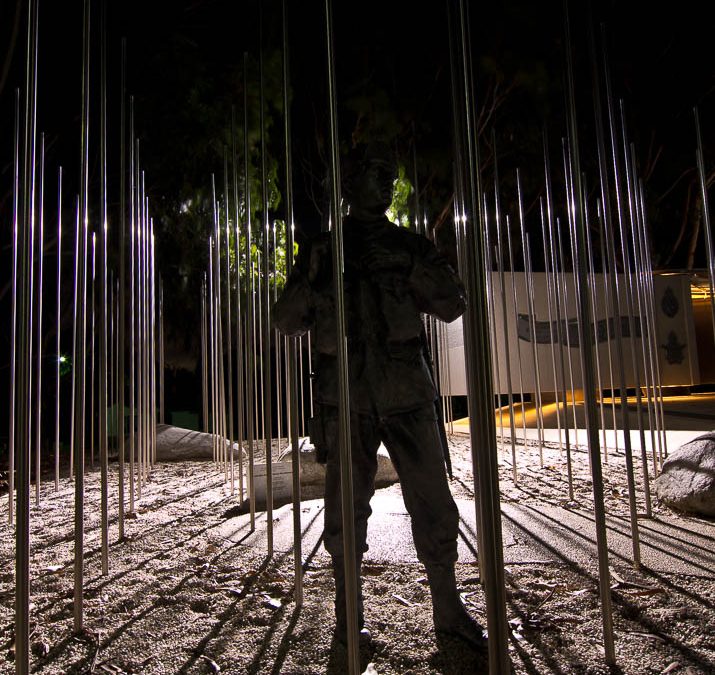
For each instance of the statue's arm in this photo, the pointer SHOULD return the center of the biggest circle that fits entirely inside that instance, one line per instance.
(435, 285)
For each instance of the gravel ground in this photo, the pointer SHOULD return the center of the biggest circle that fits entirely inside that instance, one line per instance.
(181, 598)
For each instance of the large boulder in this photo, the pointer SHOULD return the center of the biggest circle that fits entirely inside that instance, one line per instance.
(687, 482)
(312, 472)
(177, 444)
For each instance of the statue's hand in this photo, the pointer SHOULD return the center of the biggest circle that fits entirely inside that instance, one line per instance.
(378, 259)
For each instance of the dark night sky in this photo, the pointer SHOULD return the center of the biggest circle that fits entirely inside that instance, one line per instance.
(661, 61)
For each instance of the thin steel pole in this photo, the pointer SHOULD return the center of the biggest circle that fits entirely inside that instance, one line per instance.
(23, 364)
(481, 399)
(229, 345)
(103, 263)
(628, 285)
(291, 382)
(266, 309)
(586, 353)
(38, 302)
(122, 283)
(250, 346)
(240, 430)
(132, 307)
(553, 336)
(346, 479)
(80, 421)
(505, 323)
(489, 286)
(13, 328)
(58, 329)
(92, 355)
(516, 315)
(204, 374)
(614, 286)
(529, 293)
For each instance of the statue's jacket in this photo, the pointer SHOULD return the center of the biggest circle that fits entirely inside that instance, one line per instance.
(392, 277)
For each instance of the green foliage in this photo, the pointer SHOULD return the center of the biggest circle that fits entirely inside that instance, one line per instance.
(399, 211)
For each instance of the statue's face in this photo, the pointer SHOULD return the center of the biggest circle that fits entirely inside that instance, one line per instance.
(372, 189)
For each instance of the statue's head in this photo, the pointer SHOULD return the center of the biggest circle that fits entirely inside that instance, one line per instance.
(369, 172)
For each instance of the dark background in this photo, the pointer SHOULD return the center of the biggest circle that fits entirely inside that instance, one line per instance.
(184, 68)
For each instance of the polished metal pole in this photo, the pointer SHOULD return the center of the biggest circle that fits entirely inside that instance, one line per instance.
(586, 352)
(23, 382)
(515, 301)
(346, 478)
(240, 428)
(80, 416)
(13, 326)
(626, 258)
(292, 381)
(132, 307)
(481, 399)
(531, 311)
(229, 339)
(122, 286)
(38, 326)
(266, 313)
(250, 352)
(103, 264)
(614, 285)
(58, 330)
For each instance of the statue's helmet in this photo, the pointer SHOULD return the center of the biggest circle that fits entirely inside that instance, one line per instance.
(364, 155)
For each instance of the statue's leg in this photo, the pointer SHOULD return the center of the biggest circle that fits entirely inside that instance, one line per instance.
(364, 444)
(413, 441)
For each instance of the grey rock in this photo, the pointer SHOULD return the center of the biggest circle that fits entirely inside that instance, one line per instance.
(313, 473)
(174, 444)
(687, 482)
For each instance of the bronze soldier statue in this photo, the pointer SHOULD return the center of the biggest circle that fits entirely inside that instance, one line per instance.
(392, 276)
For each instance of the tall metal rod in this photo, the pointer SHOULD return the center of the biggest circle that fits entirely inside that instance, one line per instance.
(614, 283)
(553, 335)
(23, 365)
(79, 423)
(103, 263)
(489, 286)
(629, 292)
(481, 400)
(292, 382)
(562, 300)
(266, 309)
(586, 352)
(528, 292)
(38, 326)
(92, 354)
(556, 289)
(229, 339)
(75, 317)
(514, 300)
(594, 304)
(569, 213)
(648, 276)
(58, 329)
(204, 373)
(707, 225)
(132, 306)
(122, 283)
(212, 347)
(610, 312)
(240, 430)
(250, 354)
(649, 337)
(346, 479)
(13, 318)
(505, 322)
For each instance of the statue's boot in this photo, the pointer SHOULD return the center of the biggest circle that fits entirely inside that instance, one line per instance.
(450, 615)
(341, 628)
